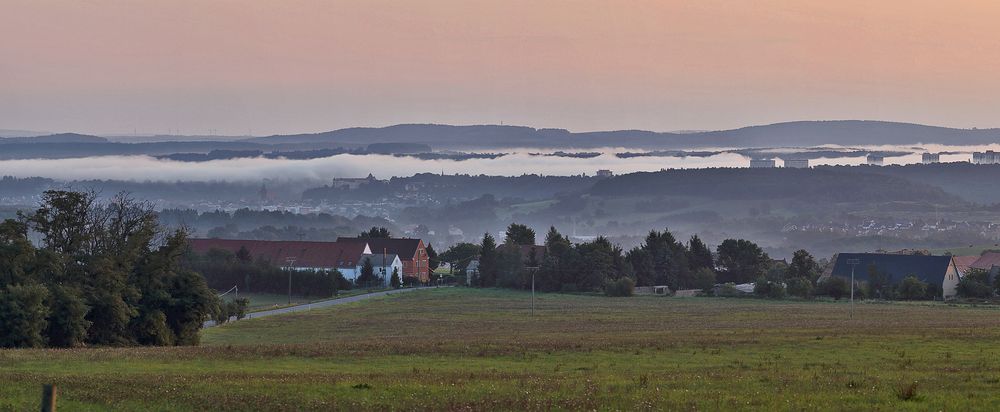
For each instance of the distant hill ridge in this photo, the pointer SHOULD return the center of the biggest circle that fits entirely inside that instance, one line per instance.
(799, 133)
(440, 136)
(55, 138)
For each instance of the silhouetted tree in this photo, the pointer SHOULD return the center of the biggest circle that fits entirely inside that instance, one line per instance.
(488, 261)
(395, 281)
(432, 258)
(518, 234)
(804, 266)
(367, 276)
(699, 255)
(375, 232)
(741, 261)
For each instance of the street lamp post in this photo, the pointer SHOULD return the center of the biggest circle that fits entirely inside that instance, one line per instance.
(854, 263)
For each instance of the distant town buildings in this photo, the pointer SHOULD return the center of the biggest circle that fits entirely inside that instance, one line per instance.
(797, 163)
(605, 173)
(761, 163)
(928, 158)
(352, 182)
(988, 157)
(875, 159)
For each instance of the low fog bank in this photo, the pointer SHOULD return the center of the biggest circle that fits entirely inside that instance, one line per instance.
(143, 168)
(512, 163)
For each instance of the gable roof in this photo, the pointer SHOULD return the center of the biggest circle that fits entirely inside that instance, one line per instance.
(283, 253)
(377, 259)
(930, 269)
(987, 261)
(963, 263)
(406, 248)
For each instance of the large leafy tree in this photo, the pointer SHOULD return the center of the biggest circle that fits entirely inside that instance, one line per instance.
(803, 266)
(104, 275)
(741, 261)
(459, 255)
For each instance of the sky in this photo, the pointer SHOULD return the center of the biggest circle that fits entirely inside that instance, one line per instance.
(263, 67)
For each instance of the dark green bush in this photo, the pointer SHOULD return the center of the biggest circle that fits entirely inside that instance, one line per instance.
(911, 288)
(620, 288)
(800, 287)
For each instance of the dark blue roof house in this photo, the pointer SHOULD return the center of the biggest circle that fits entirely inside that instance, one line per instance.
(934, 270)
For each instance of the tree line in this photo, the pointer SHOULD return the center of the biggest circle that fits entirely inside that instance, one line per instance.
(661, 260)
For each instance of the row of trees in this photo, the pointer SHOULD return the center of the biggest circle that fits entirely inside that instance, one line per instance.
(590, 266)
(661, 260)
(104, 273)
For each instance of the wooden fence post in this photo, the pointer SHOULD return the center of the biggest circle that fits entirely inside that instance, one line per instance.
(48, 398)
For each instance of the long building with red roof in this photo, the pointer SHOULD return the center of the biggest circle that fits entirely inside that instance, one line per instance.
(297, 255)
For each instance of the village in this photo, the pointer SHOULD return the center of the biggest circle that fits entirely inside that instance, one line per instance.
(412, 262)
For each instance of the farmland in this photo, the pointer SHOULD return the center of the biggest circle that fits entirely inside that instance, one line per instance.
(482, 349)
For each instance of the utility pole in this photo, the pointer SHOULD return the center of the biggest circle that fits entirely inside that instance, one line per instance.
(291, 263)
(532, 269)
(854, 263)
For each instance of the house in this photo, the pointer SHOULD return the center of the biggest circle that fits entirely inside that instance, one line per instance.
(383, 264)
(761, 163)
(295, 255)
(875, 159)
(605, 173)
(938, 271)
(928, 158)
(988, 261)
(412, 253)
(964, 263)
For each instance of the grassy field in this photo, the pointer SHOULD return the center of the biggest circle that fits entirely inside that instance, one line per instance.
(481, 349)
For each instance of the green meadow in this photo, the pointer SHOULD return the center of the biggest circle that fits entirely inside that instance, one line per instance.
(456, 348)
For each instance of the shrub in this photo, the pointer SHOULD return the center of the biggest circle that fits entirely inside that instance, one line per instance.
(704, 279)
(394, 281)
(800, 287)
(911, 288)
(975, 284)
(620, 288)
(907, 392)
(728, 290)
(769, 289)
(235, 308)
(835, 287)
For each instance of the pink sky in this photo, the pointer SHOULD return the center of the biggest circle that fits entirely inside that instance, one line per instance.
(102, 66)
